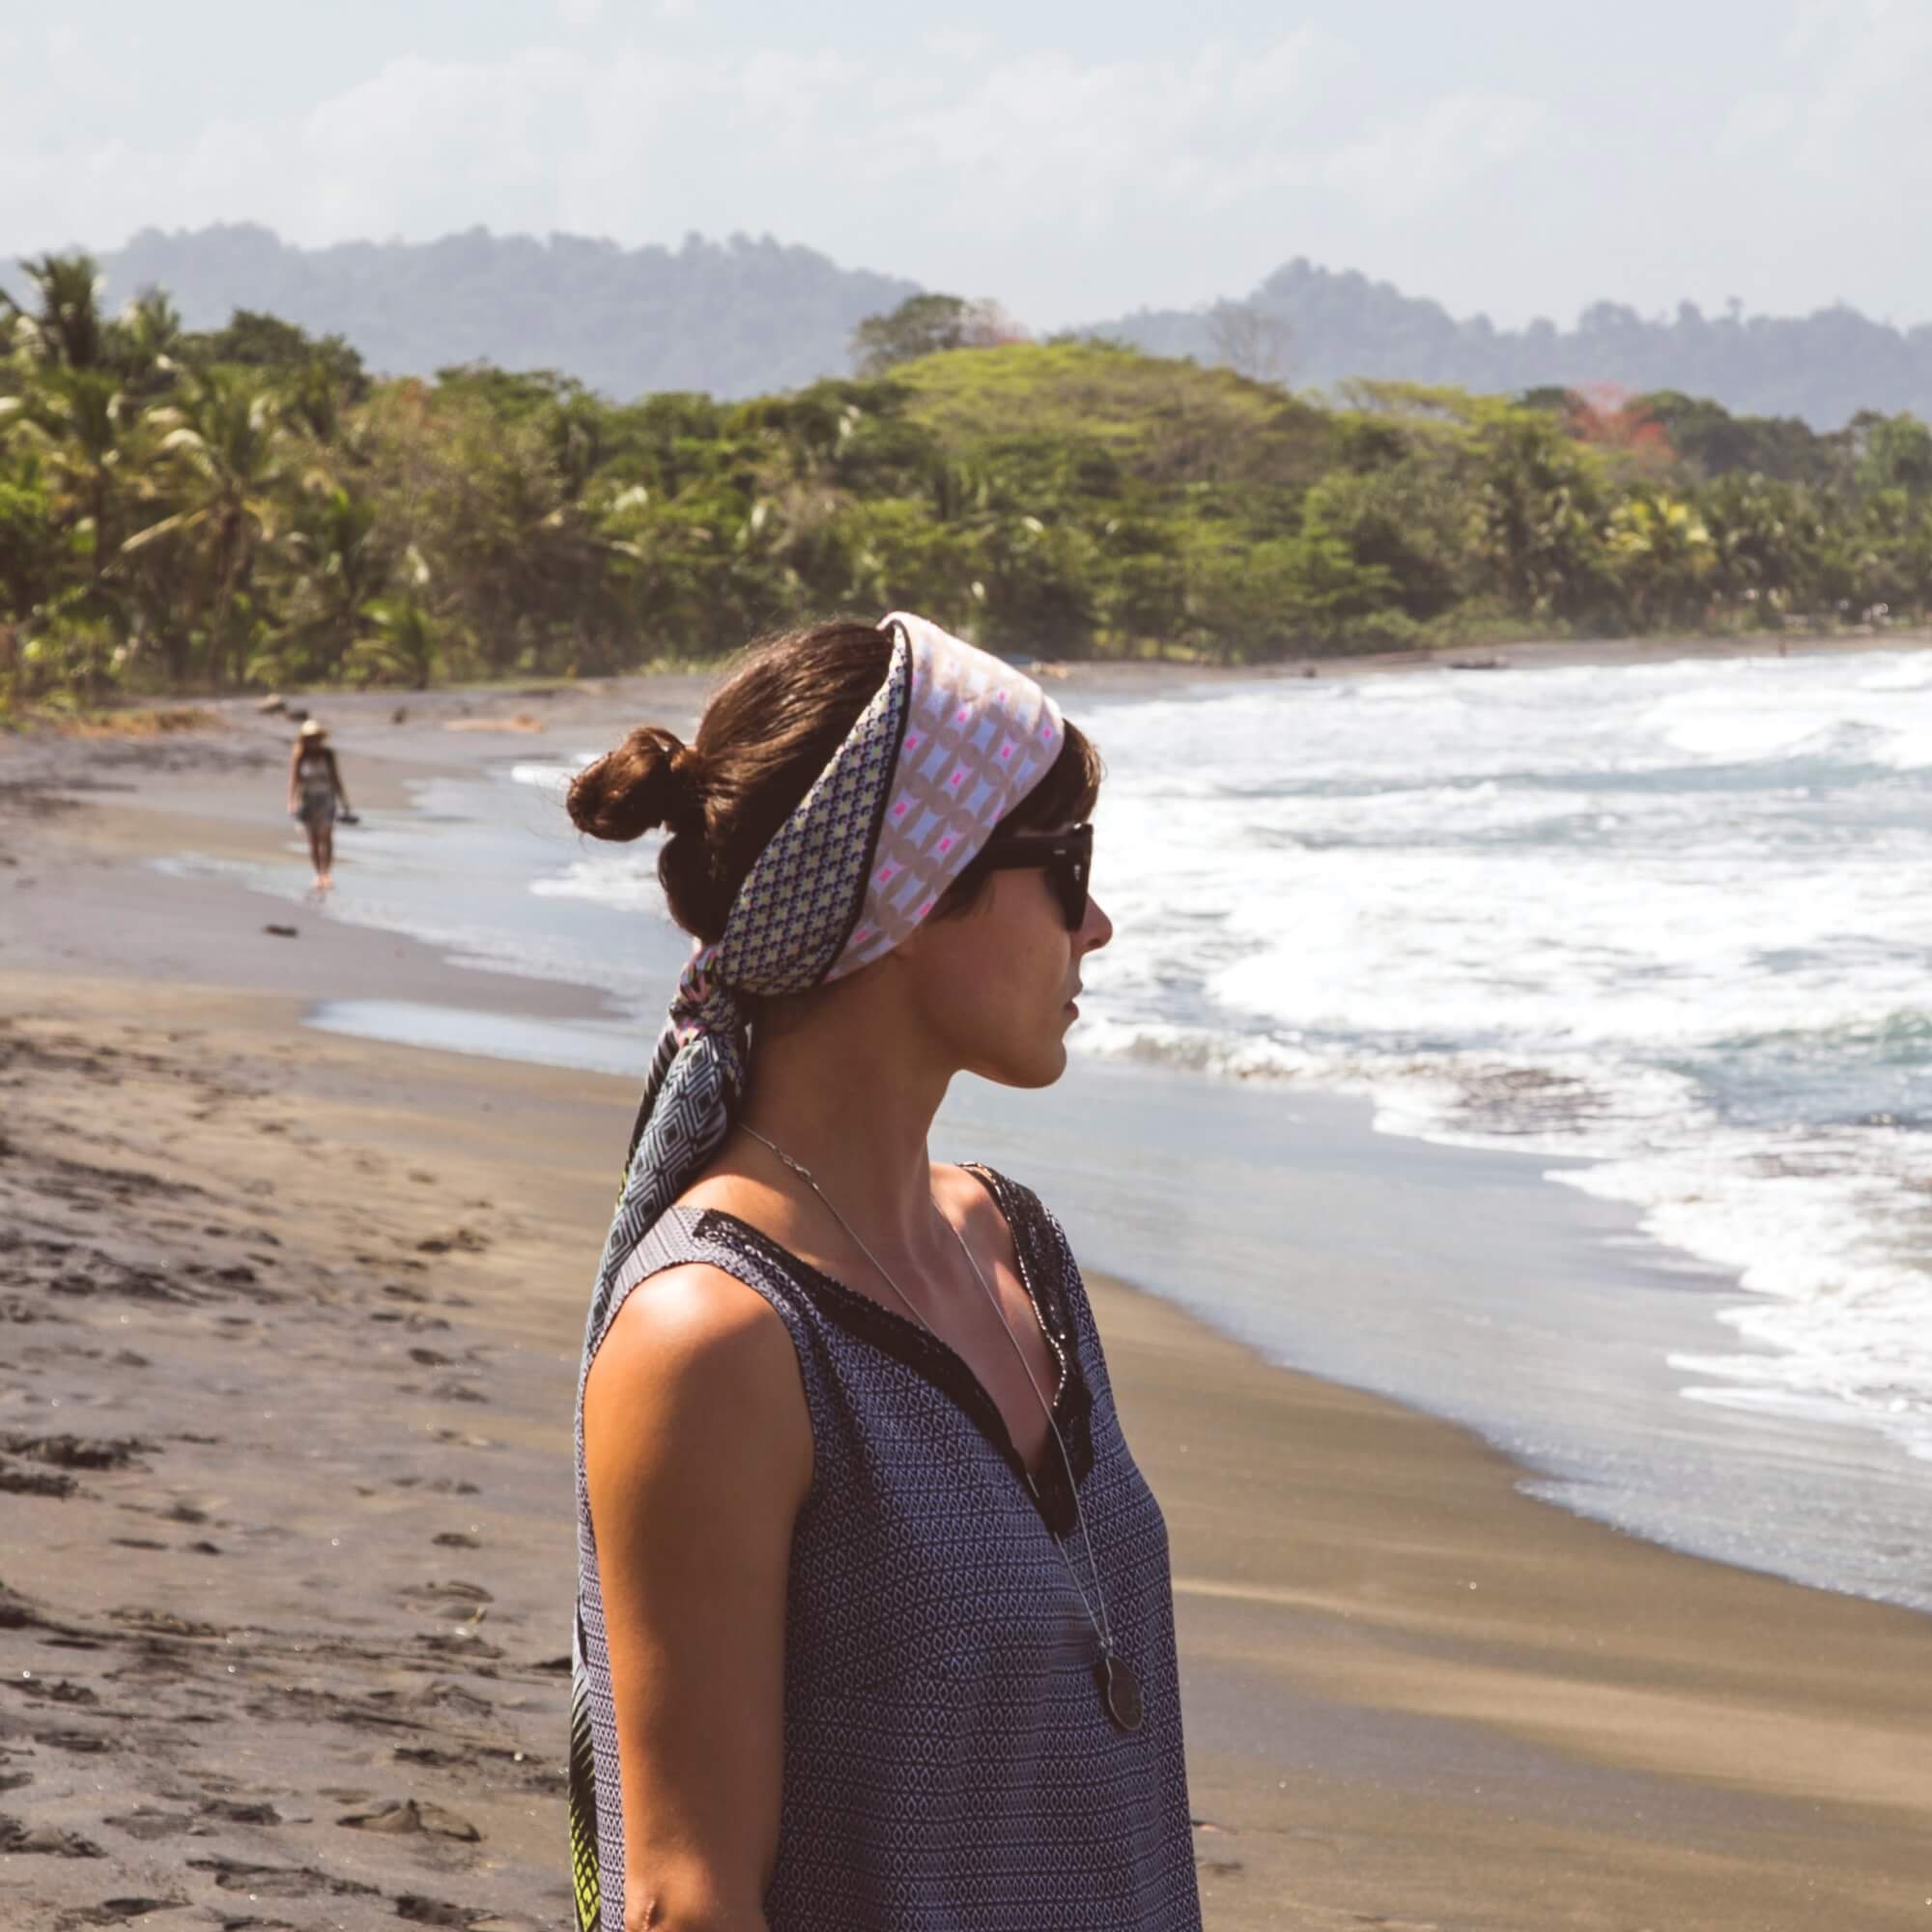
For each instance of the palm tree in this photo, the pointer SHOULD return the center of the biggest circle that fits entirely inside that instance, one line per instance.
(222, 448)
(402, 644)
(336, 566)
(146, 343)
(72, 419)
(66, 328)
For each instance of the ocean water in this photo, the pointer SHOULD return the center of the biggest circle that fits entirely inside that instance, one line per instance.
(1673, 918)
(1666, 926)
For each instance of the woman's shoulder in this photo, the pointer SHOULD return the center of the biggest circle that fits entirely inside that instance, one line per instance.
(693, 1313)
(692, 1335)
(695, 1388)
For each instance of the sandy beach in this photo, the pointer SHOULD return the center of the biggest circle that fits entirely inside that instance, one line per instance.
(292, 1324)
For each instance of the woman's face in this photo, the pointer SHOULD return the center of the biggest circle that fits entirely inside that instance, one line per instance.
(995, 984)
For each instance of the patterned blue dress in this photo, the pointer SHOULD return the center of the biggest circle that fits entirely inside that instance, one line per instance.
(948, 1765)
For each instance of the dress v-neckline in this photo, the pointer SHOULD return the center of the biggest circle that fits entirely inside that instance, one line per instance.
(936, 1361)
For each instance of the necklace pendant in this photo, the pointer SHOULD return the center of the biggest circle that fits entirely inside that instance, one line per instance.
(1120, 1691)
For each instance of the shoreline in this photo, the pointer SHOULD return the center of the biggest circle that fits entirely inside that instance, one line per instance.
(207, 795)
(1346, 1166)
(509, 698)
(1414, 1692)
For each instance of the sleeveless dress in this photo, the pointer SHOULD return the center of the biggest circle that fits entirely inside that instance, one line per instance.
(315, 779)
(948, 1765)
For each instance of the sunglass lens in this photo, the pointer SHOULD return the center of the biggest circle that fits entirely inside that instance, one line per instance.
(1070, 876)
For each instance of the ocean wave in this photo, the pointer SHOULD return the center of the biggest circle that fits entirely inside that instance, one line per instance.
(1671, 922)
(548, 774)
(626, 881)
(1823, 1234)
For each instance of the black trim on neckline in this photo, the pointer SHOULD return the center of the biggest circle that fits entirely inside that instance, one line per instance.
(941, 1366)
(1044, 1279)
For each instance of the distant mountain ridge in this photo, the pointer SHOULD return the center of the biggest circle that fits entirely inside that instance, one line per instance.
(1823, 367)
(735, 318)
(747, 317)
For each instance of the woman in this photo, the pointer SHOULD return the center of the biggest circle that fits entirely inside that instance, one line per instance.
(315, 795)
(874, 1627)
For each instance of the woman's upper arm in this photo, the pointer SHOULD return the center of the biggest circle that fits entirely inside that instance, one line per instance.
(697, 1456)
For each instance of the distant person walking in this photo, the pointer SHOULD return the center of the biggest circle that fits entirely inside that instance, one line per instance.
(316, 797)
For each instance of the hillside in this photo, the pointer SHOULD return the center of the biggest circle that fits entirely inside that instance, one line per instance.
(743, 318)
(736, 318)
(1823, 367)
(1158, 421)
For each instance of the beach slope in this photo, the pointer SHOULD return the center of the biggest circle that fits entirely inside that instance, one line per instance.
(291, 1330)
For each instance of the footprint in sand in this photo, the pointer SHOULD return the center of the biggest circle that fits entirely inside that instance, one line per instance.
(401, 1815)
(35, 1482)
(120, 1911)
(147, 1824)
(465, 1240)
(85, 1743)
(453, 1591)
(53, 1691)
(416, 1909)
(277, 1881)
(47, 1840)
(78, 1452)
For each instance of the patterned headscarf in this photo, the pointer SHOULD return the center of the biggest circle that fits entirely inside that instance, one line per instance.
(951, 741)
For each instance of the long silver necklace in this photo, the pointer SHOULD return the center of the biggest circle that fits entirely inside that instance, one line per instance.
(1119, 1689)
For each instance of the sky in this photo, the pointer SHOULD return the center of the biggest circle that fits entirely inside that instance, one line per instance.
(1072, 162)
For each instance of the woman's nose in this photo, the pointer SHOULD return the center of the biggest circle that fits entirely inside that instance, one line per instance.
(1096, 929)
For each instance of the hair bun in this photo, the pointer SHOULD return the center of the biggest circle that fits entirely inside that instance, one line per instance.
(653, 779)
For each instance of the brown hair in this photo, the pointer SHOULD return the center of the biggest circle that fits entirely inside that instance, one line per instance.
(767, 734)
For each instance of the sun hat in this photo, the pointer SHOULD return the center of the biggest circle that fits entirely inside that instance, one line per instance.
(310, 728)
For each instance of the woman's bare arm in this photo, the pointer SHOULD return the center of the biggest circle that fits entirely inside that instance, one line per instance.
(335, 779)
(698, 1454)
(295, 760)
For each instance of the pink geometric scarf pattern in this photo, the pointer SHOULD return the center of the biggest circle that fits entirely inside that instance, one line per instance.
(980, 736)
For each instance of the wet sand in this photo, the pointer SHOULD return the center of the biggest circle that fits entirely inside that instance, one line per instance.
(285, 1536)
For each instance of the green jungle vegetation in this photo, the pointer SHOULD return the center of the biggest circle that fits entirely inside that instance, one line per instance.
(194, 512)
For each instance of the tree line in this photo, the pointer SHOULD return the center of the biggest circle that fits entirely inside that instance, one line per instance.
(213, 510)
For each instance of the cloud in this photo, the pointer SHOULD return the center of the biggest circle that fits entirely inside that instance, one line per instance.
(1050, 176)
(1754, 121)
(640, 139)
(1864, 119)
(1414, 163)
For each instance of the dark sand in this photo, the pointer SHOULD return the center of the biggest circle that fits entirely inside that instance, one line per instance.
(291, 1327)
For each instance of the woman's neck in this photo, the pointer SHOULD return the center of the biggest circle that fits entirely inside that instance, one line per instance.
(844, 1097)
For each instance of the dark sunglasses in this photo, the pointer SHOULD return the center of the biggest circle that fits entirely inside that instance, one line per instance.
(1067, 858)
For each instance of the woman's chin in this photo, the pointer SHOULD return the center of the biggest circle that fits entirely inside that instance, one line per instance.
(1038, 1069)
